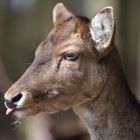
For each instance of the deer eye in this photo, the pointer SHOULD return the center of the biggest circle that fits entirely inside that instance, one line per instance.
(71, 56)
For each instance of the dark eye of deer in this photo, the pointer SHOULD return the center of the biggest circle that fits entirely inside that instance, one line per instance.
(72, 56)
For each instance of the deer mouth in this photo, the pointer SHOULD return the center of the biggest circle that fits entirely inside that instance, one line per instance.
(32, 106)
(17, 111)
(11, 111)
(21, 113)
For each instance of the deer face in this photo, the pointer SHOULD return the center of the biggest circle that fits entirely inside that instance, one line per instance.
(66, 70)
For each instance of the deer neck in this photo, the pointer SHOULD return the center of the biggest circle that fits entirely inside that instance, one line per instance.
(108, 116)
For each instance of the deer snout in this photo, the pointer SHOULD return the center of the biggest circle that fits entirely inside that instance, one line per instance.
(13, 102)
(16, 98)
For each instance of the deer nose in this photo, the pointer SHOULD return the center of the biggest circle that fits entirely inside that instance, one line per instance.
(14, 101)
(16, 98)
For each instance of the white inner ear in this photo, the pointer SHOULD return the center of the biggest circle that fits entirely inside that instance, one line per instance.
(102, 28)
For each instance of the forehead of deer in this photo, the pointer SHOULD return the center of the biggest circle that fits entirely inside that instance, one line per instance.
(72, 29)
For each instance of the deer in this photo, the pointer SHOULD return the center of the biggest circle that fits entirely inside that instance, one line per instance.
(78, 66)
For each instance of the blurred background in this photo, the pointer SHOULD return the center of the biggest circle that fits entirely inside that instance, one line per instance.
(23, 25)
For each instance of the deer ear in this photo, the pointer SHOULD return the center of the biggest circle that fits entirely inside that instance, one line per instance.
(102, 30)
(61, 13)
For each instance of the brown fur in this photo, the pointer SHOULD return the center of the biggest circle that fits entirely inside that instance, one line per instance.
(94, 85)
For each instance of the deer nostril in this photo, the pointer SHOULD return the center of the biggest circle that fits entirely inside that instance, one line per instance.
(16, 98)
(9, 104)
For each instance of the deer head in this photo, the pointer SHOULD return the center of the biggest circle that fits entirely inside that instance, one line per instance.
(66, 70)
